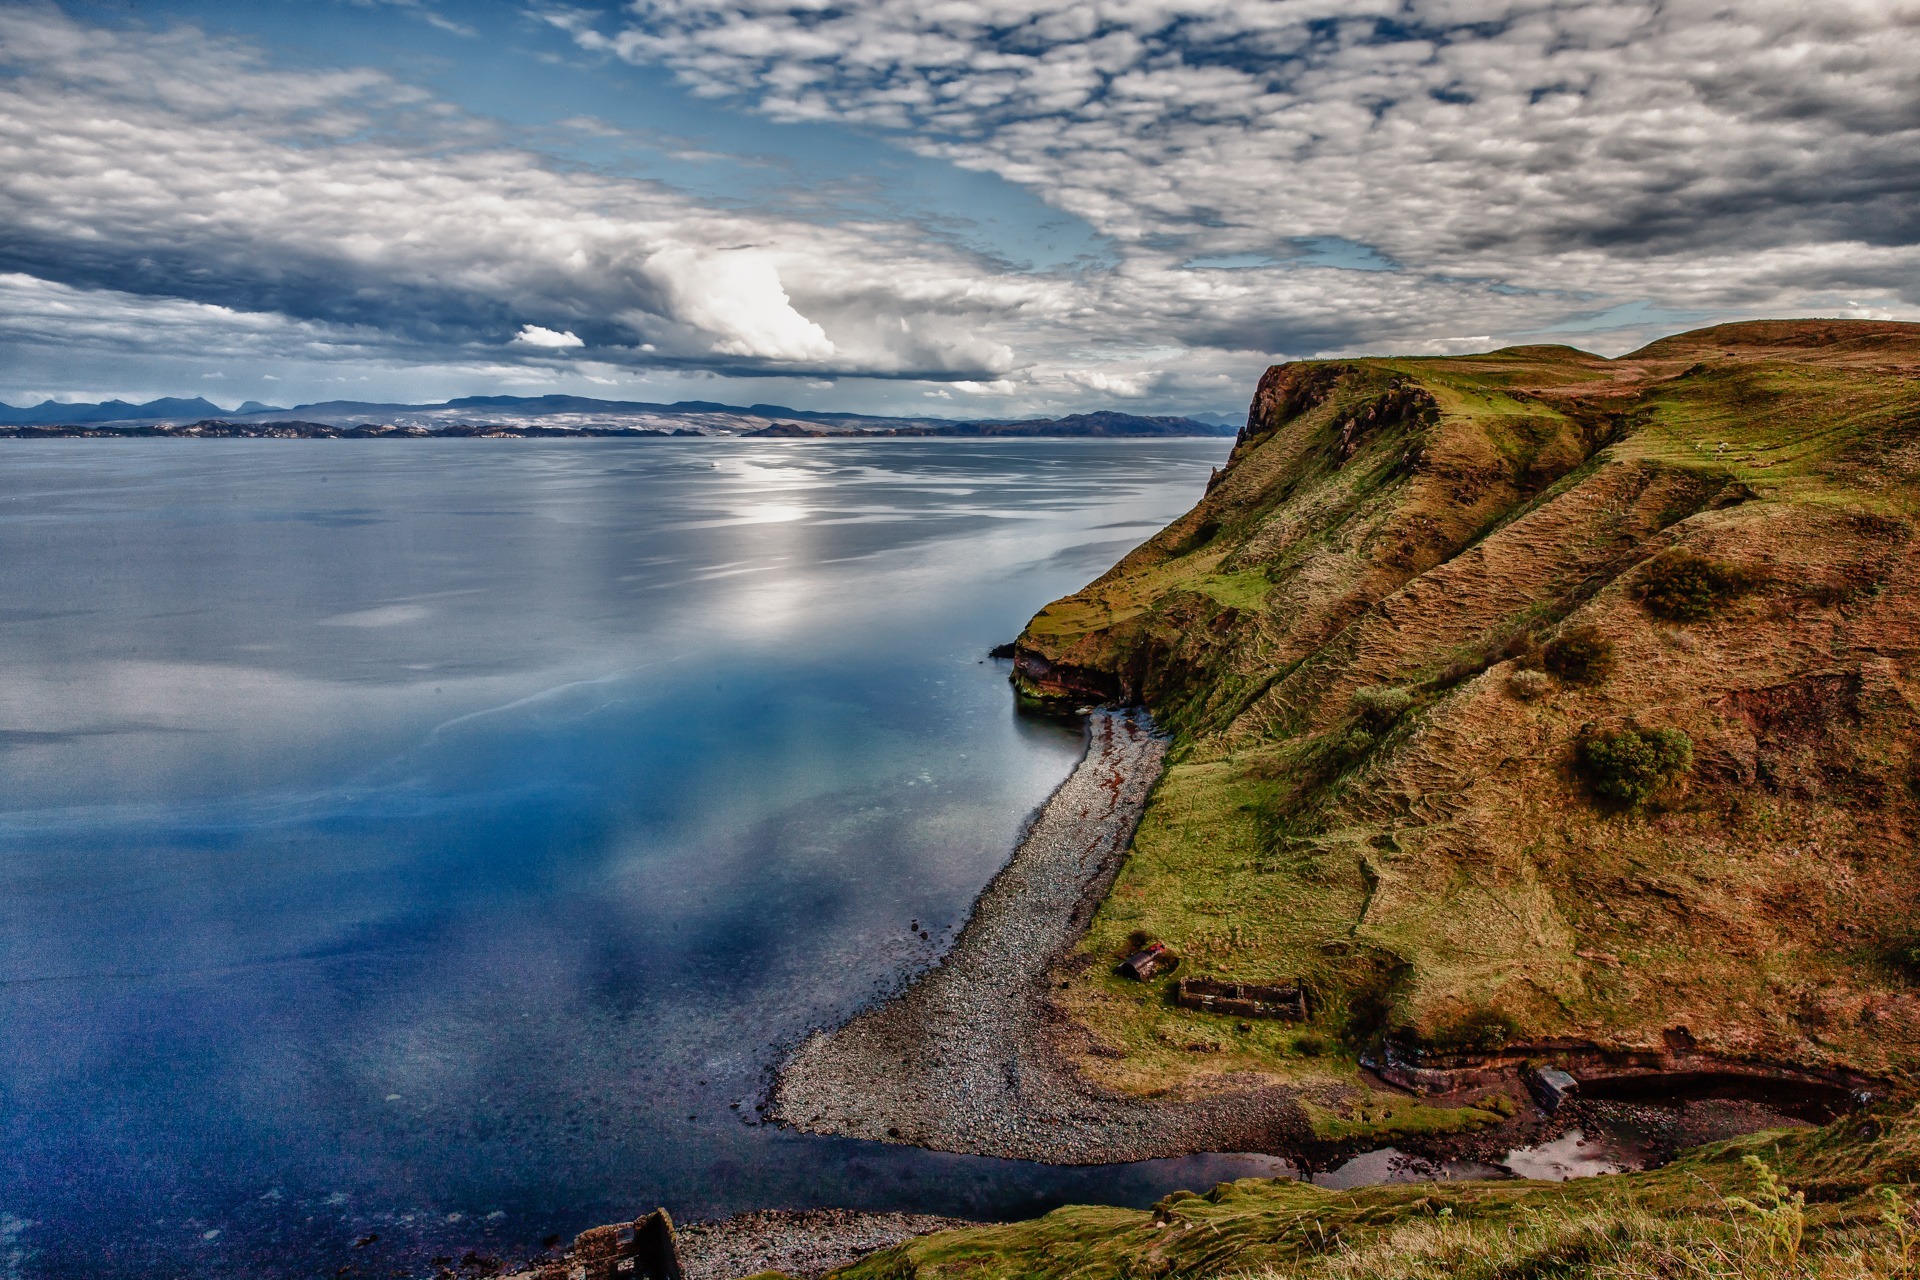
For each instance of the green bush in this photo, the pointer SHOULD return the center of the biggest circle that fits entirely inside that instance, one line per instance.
(1683, 587)
(1579, 655)
(1356, 743)
(1629, 766)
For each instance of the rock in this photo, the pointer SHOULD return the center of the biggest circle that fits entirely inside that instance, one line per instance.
(1149, 960)
(1551, 1086)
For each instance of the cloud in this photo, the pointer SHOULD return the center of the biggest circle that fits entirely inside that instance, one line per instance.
(37, 313)
(533, 335)
(425, 12)
(736, 295)
(1125, 386)
(174, 165)
(1272, 180)
(386, 615)
(1668, 149)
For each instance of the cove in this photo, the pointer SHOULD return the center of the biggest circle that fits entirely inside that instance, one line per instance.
(442, 840)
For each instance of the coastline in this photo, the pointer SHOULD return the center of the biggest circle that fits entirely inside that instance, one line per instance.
(802, 1244)
(962, 1060)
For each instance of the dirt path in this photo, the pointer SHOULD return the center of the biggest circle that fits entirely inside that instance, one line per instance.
(959, 1061)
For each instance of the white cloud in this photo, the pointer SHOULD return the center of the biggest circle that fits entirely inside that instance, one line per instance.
(532, 335)
(46, 314)
(1126, 386)
(736, 295)
(175, 163)
(1520, 169)
(425, 12)
(1678, 150)
(386, 615)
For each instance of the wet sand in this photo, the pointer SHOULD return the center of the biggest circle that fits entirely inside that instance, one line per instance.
(961, 1060)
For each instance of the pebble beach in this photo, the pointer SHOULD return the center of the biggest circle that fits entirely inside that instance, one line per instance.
(961, 1061)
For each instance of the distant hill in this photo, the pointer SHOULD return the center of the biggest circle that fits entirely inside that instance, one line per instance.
(53, 412)
(558, 414)
(1104, 424)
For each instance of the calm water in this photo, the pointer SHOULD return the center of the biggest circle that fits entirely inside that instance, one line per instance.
(437, 839)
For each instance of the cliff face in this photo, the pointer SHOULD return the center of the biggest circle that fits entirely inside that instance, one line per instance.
(1531, 695)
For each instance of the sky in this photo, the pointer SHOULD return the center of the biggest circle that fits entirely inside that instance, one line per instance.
(966, 208)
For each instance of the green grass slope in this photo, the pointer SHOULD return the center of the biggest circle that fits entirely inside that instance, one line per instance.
(1831, 1204)
(1420, 645)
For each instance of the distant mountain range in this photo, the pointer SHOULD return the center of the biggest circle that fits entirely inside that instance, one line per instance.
(50, 412)
(556, 415)
(1103, 423)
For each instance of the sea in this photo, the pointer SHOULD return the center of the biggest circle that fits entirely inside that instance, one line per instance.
(422, 849)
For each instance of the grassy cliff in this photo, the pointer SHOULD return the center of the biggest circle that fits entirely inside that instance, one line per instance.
(1527, 696)
(1832, 1204)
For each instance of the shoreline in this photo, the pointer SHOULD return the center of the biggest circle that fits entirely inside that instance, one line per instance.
(962, 1059)
(801, 1243)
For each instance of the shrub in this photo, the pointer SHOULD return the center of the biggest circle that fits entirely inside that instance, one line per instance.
(1379, 705)
(1527, 684)
(1356, 743)
(1579, 655)
(1629, 766)
(1905, 957)
(1524, 649)
(1683, 587)
(1309, 1046)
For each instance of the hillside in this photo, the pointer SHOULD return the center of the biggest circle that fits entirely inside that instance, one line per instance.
(1832, 1204)
(1530, 698)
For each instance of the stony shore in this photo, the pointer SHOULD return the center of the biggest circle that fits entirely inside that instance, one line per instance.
(963, 1060)
(798, 1243)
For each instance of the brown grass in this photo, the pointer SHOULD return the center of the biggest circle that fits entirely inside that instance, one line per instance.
(1440, 860)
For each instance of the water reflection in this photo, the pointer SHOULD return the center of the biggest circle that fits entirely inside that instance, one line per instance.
(1392, 1165)
(439, 840)
(1574, 1155)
